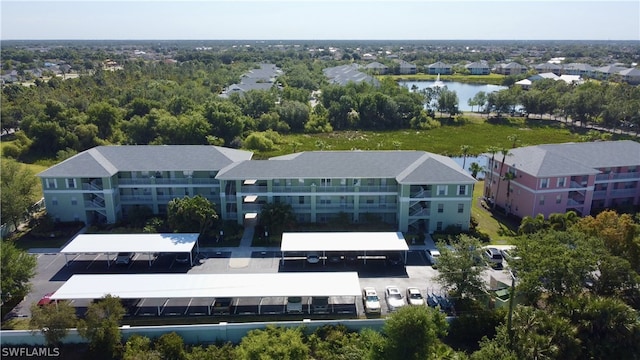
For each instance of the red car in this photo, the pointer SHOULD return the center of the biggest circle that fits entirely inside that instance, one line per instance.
(46, 300)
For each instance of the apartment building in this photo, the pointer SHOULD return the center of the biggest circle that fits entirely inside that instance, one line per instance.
(416, 190)
(555, 178)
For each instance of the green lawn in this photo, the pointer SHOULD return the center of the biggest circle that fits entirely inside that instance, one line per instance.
(500, 229)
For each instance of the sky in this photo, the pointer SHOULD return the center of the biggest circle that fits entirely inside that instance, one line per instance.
(320, 20)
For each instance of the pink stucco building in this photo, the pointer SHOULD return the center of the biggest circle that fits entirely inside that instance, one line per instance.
(555, 178)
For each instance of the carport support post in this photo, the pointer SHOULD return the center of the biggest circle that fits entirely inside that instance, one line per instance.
(365, 256)
(149, 259)
(405, 257)
(66, 260)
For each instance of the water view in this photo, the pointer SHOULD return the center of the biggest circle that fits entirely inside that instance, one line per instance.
(465, 91)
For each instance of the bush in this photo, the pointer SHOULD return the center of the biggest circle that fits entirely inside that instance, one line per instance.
(11, 151)
(259, 142)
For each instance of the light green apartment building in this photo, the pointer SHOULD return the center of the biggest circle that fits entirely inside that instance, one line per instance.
(416, 190)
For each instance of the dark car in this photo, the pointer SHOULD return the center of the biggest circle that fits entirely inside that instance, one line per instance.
(394, 259)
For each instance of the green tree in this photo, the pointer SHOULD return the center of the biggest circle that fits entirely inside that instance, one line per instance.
(413, 332)
(295, 114)
(17, 269)
(53, 320)
(555, 265)
(138, 347)
(475, 169)
(464, 150)
(191, 214)
(105, 116)
(457, 267)
(505, 152)
(213, 352)
(273, 343)
(530, 225)
(101, 327)
(448, 102)
(17, 191)
(277, 217)
(170, 346)
(606, 327)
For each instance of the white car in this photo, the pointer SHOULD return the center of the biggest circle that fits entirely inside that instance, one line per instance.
(433, 256)
(394, 298)
(414, 296)
(370, 300)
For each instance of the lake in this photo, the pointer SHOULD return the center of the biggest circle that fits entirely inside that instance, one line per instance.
(481, 160)
(463, 90)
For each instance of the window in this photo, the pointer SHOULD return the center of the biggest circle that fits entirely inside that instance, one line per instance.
(325, 182)
(71, 183)
(301, 200)
(460, 208)
(561, 182)
(54, 201)
(462, 190)
(439, 226)
(558, 199)
(442, 190)
(541, 200)
(440, 208)
(51, 183)
(74, 201)
(544, 183)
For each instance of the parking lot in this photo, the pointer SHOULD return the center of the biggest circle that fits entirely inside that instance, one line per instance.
(53, 271)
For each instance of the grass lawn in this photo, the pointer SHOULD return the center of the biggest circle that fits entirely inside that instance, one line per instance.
(500, 229)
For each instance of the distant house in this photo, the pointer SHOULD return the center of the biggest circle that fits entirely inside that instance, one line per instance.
(478, 68)
(512, 68)
(261, 78)
(344, 74)
(439, 68)
(525, 84)
(631, 76)
(406, 68)
(584, 70)
(549, 68)
(605, 72)
(377, 68)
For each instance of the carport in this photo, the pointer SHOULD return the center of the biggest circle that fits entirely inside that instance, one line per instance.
(343, 242)
(169, 286)
(137, 243)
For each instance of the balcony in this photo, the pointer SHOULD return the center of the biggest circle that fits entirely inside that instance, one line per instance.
(600, 194)
(136, 198)
(623, 192)
(335, 189)
(618, 176)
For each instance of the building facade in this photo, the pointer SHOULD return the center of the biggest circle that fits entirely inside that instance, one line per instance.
(555, 178)
(417, 191)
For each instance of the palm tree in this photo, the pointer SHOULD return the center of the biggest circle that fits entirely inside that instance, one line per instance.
(514, 138)
(476, 168)
(464, 149)
(493, 150)
(505, 152)
(530, 225)
(508, 176)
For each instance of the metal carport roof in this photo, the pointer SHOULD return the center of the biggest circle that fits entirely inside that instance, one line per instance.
(148, 286)
(137, 243)
(343, 241)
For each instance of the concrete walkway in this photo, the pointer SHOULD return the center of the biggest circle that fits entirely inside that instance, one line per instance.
(241, 255)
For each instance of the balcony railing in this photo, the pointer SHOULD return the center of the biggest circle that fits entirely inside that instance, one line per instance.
(623, 192)
(600, 194)
(618, 176)
(136, 198)
(337, 189)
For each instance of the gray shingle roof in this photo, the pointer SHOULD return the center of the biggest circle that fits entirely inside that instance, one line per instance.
(105, 161)
(407, 167)
(573, 158)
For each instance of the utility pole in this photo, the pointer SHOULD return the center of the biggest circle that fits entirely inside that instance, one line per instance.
(510, 315)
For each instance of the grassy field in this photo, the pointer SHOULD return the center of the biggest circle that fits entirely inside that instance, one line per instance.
(445, 140)
(494, 79)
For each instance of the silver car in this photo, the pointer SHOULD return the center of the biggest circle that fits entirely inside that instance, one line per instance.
(394, 298)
